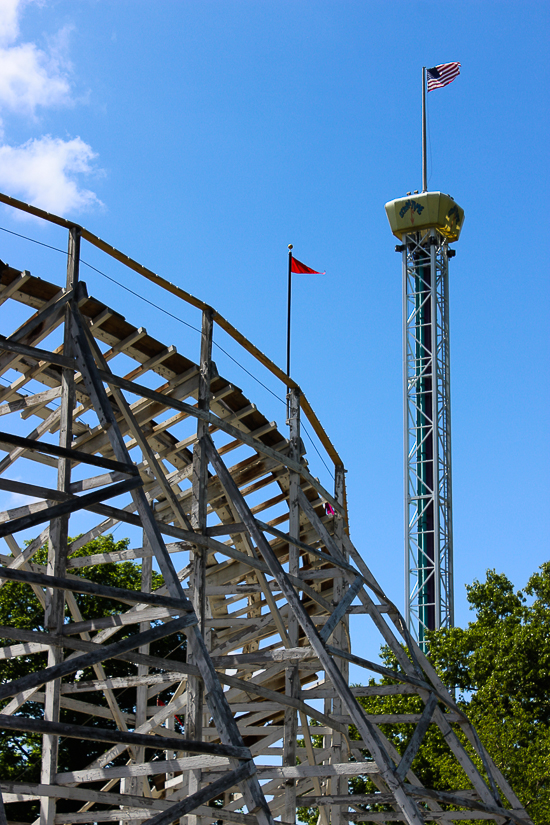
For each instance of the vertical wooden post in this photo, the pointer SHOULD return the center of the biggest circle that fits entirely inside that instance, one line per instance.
(57, 545)
(339, 785)
(292, 676)
(142, 670)
(197, 579)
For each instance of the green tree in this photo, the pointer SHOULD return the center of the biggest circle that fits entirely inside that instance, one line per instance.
(500, 668)
(20, 753)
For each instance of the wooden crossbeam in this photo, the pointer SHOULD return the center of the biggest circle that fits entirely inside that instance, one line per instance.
(70, 505)
(104, 652)
(79, 585)
(96, 734)
(33, 445)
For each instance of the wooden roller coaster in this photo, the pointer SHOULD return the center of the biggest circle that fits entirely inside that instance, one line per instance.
(258, 718)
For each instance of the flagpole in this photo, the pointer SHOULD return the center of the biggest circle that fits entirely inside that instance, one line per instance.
(290, 247)
(424, 152)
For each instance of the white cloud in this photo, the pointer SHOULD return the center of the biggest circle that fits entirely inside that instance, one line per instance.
(30, 78)
(42, 171)
(9, 19)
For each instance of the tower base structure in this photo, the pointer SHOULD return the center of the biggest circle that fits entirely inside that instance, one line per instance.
(193, 691)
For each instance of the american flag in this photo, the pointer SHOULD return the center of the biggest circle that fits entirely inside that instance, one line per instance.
(441, 75)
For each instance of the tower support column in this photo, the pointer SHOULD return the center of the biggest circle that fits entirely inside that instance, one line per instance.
(428, 504)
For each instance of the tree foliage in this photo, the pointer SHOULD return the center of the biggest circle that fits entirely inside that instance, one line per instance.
(499, 666)
(20, 753)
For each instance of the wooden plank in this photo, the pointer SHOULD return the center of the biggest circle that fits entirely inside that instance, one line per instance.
(121, 620)
(34, 445)
(70, 505)
(341, 609)
(471, 804)
(36, 326)
(78, 585)
(19, 791)
(343, 565)
(143, 769)
(30, 401)
(37, 353)
(121, 682)
(104, 652)
(417, 737)
(96, 734)
(27, 649)
(376, 668)
(211, 791)
(15, 286)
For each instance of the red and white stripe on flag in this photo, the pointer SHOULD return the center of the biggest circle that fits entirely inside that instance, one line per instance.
(442, 75)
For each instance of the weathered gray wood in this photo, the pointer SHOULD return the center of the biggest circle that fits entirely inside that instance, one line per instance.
(30, 401)
(217, 702)
(15, 285)
(65, 452)
(57, 544)
(219, 423)
(341, 609)
(365, 728)
(343, 565)
(376, 668)
(79, 585)
(96, 734)
(225, 529)
(37, 353)
(197, 579)
(3, 819)
(468, 802)
(71, 505)
(51, 312)
(20, 790)
(292, 677)
(122, 620)
(144, 769)
(214, 789)
(105, 652)
(417, 737)
(121, 682)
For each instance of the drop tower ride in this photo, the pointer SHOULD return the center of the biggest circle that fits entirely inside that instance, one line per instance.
(426, 223)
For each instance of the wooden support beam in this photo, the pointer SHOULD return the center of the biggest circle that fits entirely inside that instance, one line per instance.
(36, 353)
(417, 737)
(65, 452)
(105, 652)
(96, 734)
(30, 401)
(71, 505)
(79, 585)
(365, 728)
(238, 775)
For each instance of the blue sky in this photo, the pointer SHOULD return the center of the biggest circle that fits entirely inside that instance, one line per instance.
(202, 137)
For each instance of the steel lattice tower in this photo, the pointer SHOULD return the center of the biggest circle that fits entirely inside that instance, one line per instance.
(425, 224)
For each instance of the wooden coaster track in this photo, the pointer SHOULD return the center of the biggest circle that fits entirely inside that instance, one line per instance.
(267, 582)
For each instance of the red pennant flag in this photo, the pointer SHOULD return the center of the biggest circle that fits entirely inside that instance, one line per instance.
(299, 267)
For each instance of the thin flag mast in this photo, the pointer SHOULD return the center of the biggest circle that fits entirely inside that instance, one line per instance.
(424, 142)
(294, 265)
(289, 299)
